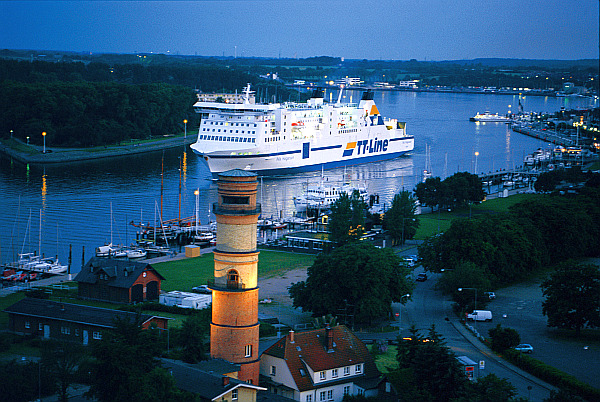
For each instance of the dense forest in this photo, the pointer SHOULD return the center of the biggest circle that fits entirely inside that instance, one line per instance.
(82, 105)
(86, 100)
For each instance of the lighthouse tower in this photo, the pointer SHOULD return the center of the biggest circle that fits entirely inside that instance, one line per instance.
(234, 326)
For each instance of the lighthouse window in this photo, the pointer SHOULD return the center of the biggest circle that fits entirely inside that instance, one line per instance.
(228, 199)
(248, 351)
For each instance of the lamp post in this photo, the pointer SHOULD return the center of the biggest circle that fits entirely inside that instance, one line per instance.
(11, 134)
(185, 128)
(44, 135)
(197, 193)
(475, 307)
(400, 315)
(27, 140)
(476, 155)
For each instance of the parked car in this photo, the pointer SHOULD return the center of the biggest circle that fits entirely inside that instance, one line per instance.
(202, 289)
(490, 295)
(524, 348)
(421, 277)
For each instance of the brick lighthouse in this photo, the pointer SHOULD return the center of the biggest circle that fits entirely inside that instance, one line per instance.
(234, 326)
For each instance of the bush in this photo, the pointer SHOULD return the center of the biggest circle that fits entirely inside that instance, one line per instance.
(552, 375)
(503, 338)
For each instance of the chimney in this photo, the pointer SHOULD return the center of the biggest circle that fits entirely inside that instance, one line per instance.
(225, 381)
(291, 336)
(329, 336)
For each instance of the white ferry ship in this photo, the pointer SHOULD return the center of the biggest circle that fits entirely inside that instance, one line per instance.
(294, 137)
(487, 117)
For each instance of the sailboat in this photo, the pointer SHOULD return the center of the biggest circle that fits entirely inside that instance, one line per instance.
(427, 172)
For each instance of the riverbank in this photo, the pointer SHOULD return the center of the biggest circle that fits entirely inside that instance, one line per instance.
(33, 154)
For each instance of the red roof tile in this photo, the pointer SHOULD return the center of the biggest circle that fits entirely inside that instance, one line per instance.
(310, 349)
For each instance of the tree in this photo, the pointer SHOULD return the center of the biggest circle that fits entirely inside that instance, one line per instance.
(62, 360)
(434, 372)
(465, 275)
(347, 218)
(503, 338)
(125, 368)
(490, 388)
(572, 296)
(429, 192)
(400, 220)
(192, 335)
(359, 275)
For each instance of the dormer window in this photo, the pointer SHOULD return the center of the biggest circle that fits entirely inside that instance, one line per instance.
(358, 369)
(322, 375)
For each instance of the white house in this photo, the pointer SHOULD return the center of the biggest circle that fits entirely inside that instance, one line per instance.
(321, 365)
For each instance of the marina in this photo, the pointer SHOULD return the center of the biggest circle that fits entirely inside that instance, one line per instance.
(75, 198)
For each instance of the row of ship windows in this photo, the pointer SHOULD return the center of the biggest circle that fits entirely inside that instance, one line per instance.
(218, 130)
(272, 139)
(220, 123)
(221, 138)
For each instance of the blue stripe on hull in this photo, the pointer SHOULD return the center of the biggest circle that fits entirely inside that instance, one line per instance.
(327, 165)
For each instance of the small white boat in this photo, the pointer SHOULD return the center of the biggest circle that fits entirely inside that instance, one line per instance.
(134, 254)
(203, 237)
(109, 250)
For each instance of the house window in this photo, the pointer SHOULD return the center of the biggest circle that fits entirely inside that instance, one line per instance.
(40, 327)
(97, 335)
(347, 390)
(27, 324)
(308, 398)
(358, 368)
(330, 395)
(334, 373)
(322, 375)
(322, 396)
(65, 330)
(273, 370)
(234, 395)
(346, 370)
(248, 351)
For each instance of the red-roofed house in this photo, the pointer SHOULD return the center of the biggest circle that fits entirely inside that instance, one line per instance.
(321, 365)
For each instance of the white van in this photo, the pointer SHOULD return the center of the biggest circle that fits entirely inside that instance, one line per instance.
(480, 315)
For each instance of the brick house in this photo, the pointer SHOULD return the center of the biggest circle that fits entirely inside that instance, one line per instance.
(118, 281)
(69, 322)
(322, 365)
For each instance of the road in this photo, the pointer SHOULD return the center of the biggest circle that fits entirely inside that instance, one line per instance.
(428, 307)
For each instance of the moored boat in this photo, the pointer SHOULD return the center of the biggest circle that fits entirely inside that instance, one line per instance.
(488, 117)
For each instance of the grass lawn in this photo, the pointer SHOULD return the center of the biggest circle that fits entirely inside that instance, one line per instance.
(428, 223)
(386, 362)
(189, 272)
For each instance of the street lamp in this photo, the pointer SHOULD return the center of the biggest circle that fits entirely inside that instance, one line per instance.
(185, 128)
(27, 140)
(476, 155)
(44, 135)
(475, 289)
(400, 312)
(11, 134)
(197, 193)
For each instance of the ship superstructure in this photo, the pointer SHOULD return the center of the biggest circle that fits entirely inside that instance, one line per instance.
(279, 138)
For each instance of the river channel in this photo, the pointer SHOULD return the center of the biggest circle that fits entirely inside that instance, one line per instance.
(88, 204)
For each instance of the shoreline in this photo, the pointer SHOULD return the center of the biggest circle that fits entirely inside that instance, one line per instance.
(68, 155)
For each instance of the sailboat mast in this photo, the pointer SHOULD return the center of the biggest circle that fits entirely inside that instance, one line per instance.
(40, 235)
(162, 170)
(179, 216)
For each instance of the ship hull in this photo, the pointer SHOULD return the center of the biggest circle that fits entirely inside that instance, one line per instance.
(291, 162)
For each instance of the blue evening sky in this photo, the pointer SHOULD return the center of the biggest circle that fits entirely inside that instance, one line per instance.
(354, 29)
